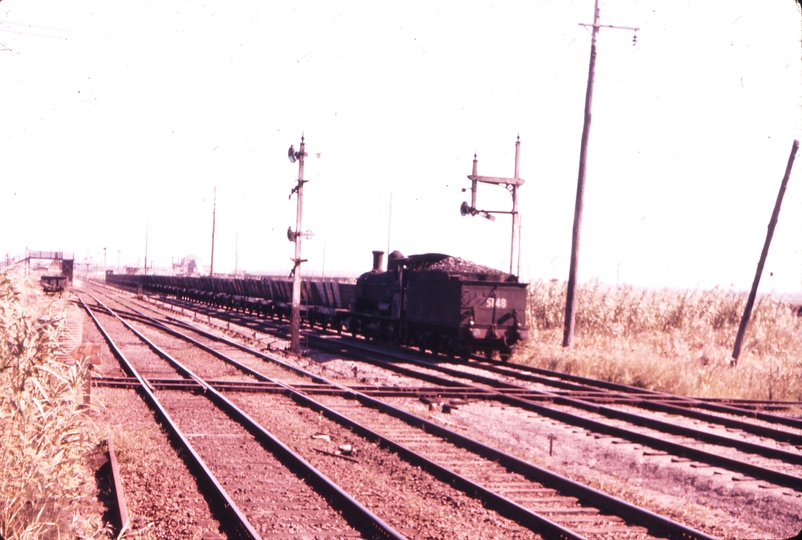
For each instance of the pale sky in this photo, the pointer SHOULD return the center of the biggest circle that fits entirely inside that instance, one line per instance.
(119, 117)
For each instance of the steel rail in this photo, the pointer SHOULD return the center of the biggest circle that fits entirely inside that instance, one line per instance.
(502, 387)
(172, 320)
(117, 485)
(655, 523)
(644, 393)
(639, 401)
(702, 403)
(225, 505)
(643, 421)
(519, 513)
(776, 477)
(755, 403)
(659, 444)
(360, 514)
(710, 404)
(589, 495)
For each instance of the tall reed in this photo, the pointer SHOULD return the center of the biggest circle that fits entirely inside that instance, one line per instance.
(677, 341)
(44, 431)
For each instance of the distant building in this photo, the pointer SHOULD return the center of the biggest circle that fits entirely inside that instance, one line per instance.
(188, 266)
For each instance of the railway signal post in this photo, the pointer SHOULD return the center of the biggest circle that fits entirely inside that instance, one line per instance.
(295, 318)
(512, 185)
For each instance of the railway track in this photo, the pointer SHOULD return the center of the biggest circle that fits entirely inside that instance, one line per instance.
(489, 383)
(772, 454)
(593, 391)
(604, 392)
(273, 491)
(186, 406)
(532, 506)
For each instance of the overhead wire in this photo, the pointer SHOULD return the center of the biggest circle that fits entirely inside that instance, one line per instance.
(383, 65)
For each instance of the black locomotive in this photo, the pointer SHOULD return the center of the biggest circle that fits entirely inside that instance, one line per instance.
(430, 301)
(441, 303)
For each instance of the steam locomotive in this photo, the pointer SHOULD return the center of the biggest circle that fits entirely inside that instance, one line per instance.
(441, 303)
(431, 301)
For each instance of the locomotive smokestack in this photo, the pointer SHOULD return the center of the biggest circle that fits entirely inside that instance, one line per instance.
(377, 261)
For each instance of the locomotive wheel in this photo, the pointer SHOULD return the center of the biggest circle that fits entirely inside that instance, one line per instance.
(420, 341)
(440, 344)
(392, 334)
(351, 326)
(450, 348)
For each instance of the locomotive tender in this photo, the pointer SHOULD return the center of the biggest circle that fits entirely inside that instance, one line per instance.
(430, 301)
(441, 303)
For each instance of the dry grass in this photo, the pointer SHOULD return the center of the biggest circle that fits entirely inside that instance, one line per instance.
(44, 431)
(672, 341)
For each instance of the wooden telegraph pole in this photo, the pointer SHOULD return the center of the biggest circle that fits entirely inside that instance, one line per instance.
(772, 224)
(570, 300)
(146, 248)
(214, 213)
(295, 319)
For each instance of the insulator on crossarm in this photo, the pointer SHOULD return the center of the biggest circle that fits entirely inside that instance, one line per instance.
(634, 39)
